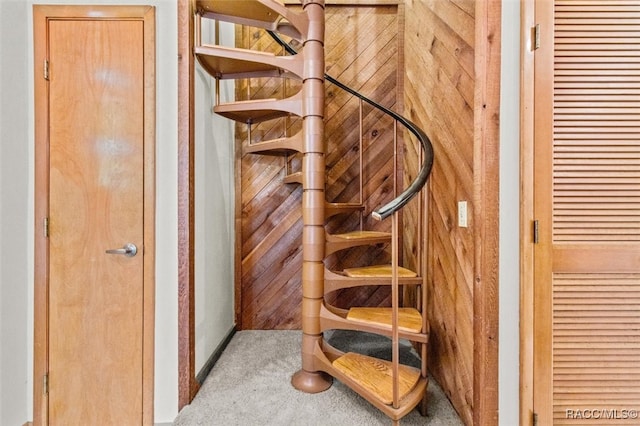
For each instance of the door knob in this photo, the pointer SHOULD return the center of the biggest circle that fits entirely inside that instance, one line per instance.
(128, 250)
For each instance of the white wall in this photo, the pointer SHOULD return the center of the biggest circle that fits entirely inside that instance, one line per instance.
(16, 208)
(214, 209)
(509, 337)
(15, 204)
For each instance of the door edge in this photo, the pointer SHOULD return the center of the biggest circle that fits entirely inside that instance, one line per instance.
(527, 23)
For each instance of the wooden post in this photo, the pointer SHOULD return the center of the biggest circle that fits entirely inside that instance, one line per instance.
(309, 379)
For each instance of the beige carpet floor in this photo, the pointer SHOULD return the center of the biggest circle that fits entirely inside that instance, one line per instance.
(250, 386)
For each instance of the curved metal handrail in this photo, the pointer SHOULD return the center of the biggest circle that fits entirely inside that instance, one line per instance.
(418, 183)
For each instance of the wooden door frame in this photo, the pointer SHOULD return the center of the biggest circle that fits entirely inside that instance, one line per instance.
(527, 86)
(187, 383)
(486, 201)
(41, 15)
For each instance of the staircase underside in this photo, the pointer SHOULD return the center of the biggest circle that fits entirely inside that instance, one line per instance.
(293, 178)
(231, 63)
(231, 11)
(256, 111)
(278, 147)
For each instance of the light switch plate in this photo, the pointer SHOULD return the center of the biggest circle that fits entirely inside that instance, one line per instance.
(462, 214)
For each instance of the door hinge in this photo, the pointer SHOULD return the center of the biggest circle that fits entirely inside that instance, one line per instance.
(46, 69)
(534, 419)
(45, 227)
(536, 37)
(45, 384)
(536, 233)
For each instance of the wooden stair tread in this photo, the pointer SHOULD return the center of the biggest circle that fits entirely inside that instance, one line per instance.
(332, 209)
(336, 280)
(252, 149)
(378, 271)
(281, 146)
(336, 242)
(228, 62)
(244, 9)
(293, 178)
(355, 206)
(256, 111)
(253, 13)
(409, 319)
(376, 375)
(335, 318)
(357, 235)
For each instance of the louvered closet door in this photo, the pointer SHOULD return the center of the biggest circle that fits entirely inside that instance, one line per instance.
(587, 203)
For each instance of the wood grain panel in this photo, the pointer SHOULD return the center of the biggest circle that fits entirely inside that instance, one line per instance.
(596, 355)
(361, 51)
(439, 96)
(596, 165)
(98, 23)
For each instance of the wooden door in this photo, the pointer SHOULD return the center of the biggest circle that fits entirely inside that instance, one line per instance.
(586, 351)
(98, 249)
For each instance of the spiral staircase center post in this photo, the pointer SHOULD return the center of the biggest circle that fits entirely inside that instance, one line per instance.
(309, 378)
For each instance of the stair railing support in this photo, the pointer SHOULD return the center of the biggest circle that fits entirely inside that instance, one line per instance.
(395, 345)
(360, 160)
(197, 28)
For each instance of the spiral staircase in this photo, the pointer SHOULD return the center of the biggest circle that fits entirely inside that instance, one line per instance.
(393, 388)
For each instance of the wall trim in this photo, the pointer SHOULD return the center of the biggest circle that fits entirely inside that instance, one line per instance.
(527, 22)
(187, 383)
(215, 356)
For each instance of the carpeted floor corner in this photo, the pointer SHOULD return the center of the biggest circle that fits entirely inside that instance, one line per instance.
(250, 386)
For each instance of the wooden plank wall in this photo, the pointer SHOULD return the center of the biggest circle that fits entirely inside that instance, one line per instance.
(439, 97)
(362, 50)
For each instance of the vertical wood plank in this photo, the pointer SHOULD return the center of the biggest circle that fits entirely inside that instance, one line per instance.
(486, 180)
(187, 383)
(439, 97)
(41, 211)
(452, 91)
(543, 114)
(148, 345)
(527, 23)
